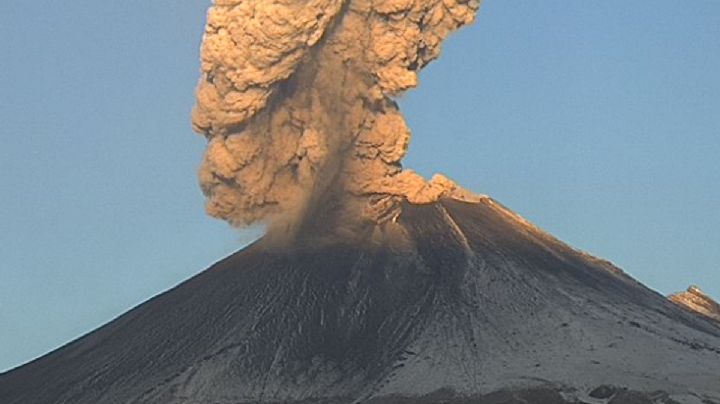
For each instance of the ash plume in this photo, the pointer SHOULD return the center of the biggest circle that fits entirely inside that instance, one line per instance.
(296, 101)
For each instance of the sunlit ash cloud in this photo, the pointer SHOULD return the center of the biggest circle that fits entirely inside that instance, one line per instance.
(296, 101)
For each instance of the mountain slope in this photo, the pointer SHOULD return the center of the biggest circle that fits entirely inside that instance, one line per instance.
(452, 298)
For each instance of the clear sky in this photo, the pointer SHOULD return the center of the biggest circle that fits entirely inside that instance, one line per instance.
(599, 121)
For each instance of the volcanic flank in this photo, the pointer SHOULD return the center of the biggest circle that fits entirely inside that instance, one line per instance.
(372, 284)
(469, 304)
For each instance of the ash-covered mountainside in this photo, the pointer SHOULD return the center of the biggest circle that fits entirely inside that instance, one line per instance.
(453, 302)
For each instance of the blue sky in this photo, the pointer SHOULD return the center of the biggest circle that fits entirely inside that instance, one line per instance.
(599, 121)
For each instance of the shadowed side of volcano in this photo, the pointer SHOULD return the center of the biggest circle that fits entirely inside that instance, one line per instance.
(451, 296)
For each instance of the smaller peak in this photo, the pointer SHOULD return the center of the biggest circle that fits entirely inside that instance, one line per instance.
(697, 301)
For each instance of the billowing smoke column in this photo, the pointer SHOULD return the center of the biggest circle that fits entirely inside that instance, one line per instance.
(296, 102)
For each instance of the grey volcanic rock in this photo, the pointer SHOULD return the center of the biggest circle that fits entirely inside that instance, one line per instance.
(452, 302)
(697, 301)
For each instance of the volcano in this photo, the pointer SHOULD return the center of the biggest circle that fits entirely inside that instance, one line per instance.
(451, 302)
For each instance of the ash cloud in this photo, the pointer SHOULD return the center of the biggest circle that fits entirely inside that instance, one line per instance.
(296, 101)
